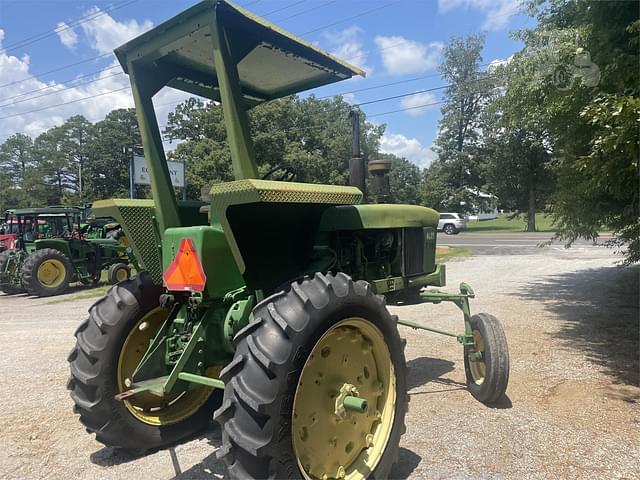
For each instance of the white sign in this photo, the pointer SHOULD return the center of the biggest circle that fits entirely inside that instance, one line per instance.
(141, 173)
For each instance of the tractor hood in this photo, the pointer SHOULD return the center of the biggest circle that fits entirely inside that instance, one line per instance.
(271, 62)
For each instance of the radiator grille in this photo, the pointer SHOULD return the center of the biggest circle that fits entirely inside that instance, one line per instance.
(413, 251)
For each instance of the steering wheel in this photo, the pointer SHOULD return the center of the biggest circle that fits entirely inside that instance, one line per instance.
(288, 173)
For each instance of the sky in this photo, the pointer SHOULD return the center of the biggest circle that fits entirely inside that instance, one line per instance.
(56, 53)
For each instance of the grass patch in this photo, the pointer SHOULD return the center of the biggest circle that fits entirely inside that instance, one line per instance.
(517, 224)
(82, 293)
(443, 254)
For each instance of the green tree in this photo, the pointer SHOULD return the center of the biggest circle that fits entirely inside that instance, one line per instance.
(15, 157)
(77, 134)
(406, 180)
(313, 135)
(589, 102)
(517, 172)
(458, 166)
(107, 169)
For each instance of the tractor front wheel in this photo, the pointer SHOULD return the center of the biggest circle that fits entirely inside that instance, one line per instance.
(5, 277)
(317, 387)
(110, 344)
(46, 272)
(486, 363)
(118, 272)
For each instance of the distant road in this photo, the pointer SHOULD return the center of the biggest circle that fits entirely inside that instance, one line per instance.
(509, 243)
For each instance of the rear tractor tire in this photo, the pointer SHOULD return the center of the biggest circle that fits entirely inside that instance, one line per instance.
(284, 413)
(118, 272)
(486, 364)
(7, 287)
(46, 272)
(109, 345)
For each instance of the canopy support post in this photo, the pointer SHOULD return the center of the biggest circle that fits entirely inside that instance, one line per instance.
(235, 111)
(144, 85)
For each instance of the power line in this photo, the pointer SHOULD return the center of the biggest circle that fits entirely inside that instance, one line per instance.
(251, 3)
(407, 108)
(61, 90)
(282, 8)
(320, 28)
(308, 10)
(366, 12)
(74, 64)
(65, 103)
(46, 87)
(74, 23)
(64, 67)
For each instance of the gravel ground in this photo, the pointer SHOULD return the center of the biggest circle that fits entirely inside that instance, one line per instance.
(573, 407)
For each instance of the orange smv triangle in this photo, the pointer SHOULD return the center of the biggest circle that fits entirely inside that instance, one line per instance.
(185, 272)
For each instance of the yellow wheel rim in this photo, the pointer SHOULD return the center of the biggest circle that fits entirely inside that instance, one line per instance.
(122, 274)
(478, 367)
(333, 443)
(146, 407)
(51, 273)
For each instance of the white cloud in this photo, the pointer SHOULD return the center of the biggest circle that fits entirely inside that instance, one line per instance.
(347, 45)
(499, 62)
(350, 98)
(105, 33)
(497, 12)
(415, 102)
(92, 100)
(401, 56)
(68, 37)
(409, 148)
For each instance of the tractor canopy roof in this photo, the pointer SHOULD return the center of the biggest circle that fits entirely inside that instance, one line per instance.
(271, 63)
(45, 211)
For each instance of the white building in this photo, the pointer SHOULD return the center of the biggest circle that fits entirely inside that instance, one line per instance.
(485, 207)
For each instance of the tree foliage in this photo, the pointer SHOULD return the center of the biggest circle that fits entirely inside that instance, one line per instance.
(311, 134)
(593, 116)
(457, 169)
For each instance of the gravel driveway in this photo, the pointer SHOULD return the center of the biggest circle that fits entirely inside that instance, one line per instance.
(573, 408)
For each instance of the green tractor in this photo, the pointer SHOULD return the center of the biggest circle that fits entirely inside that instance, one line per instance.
(266, 307)
(49, 253)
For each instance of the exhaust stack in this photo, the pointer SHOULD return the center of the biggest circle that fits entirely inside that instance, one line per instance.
(356, 164)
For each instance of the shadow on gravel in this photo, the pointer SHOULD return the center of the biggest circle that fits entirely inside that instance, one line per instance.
(423, 370)
(598, 309)
(210, 467)
(109, 456)
(407, 463)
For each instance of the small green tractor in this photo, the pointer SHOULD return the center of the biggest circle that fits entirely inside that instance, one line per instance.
(266, 306)
(49, 252)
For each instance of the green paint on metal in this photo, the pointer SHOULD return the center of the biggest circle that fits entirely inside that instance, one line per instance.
(233, 108)
(243, 192)
(199, 379)
(238, 316)
(355, 404)
(145, 84)
(272, 62)
(137, 218)
(461, 300)
(214, 253)
(197, 337)
(357, 217)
